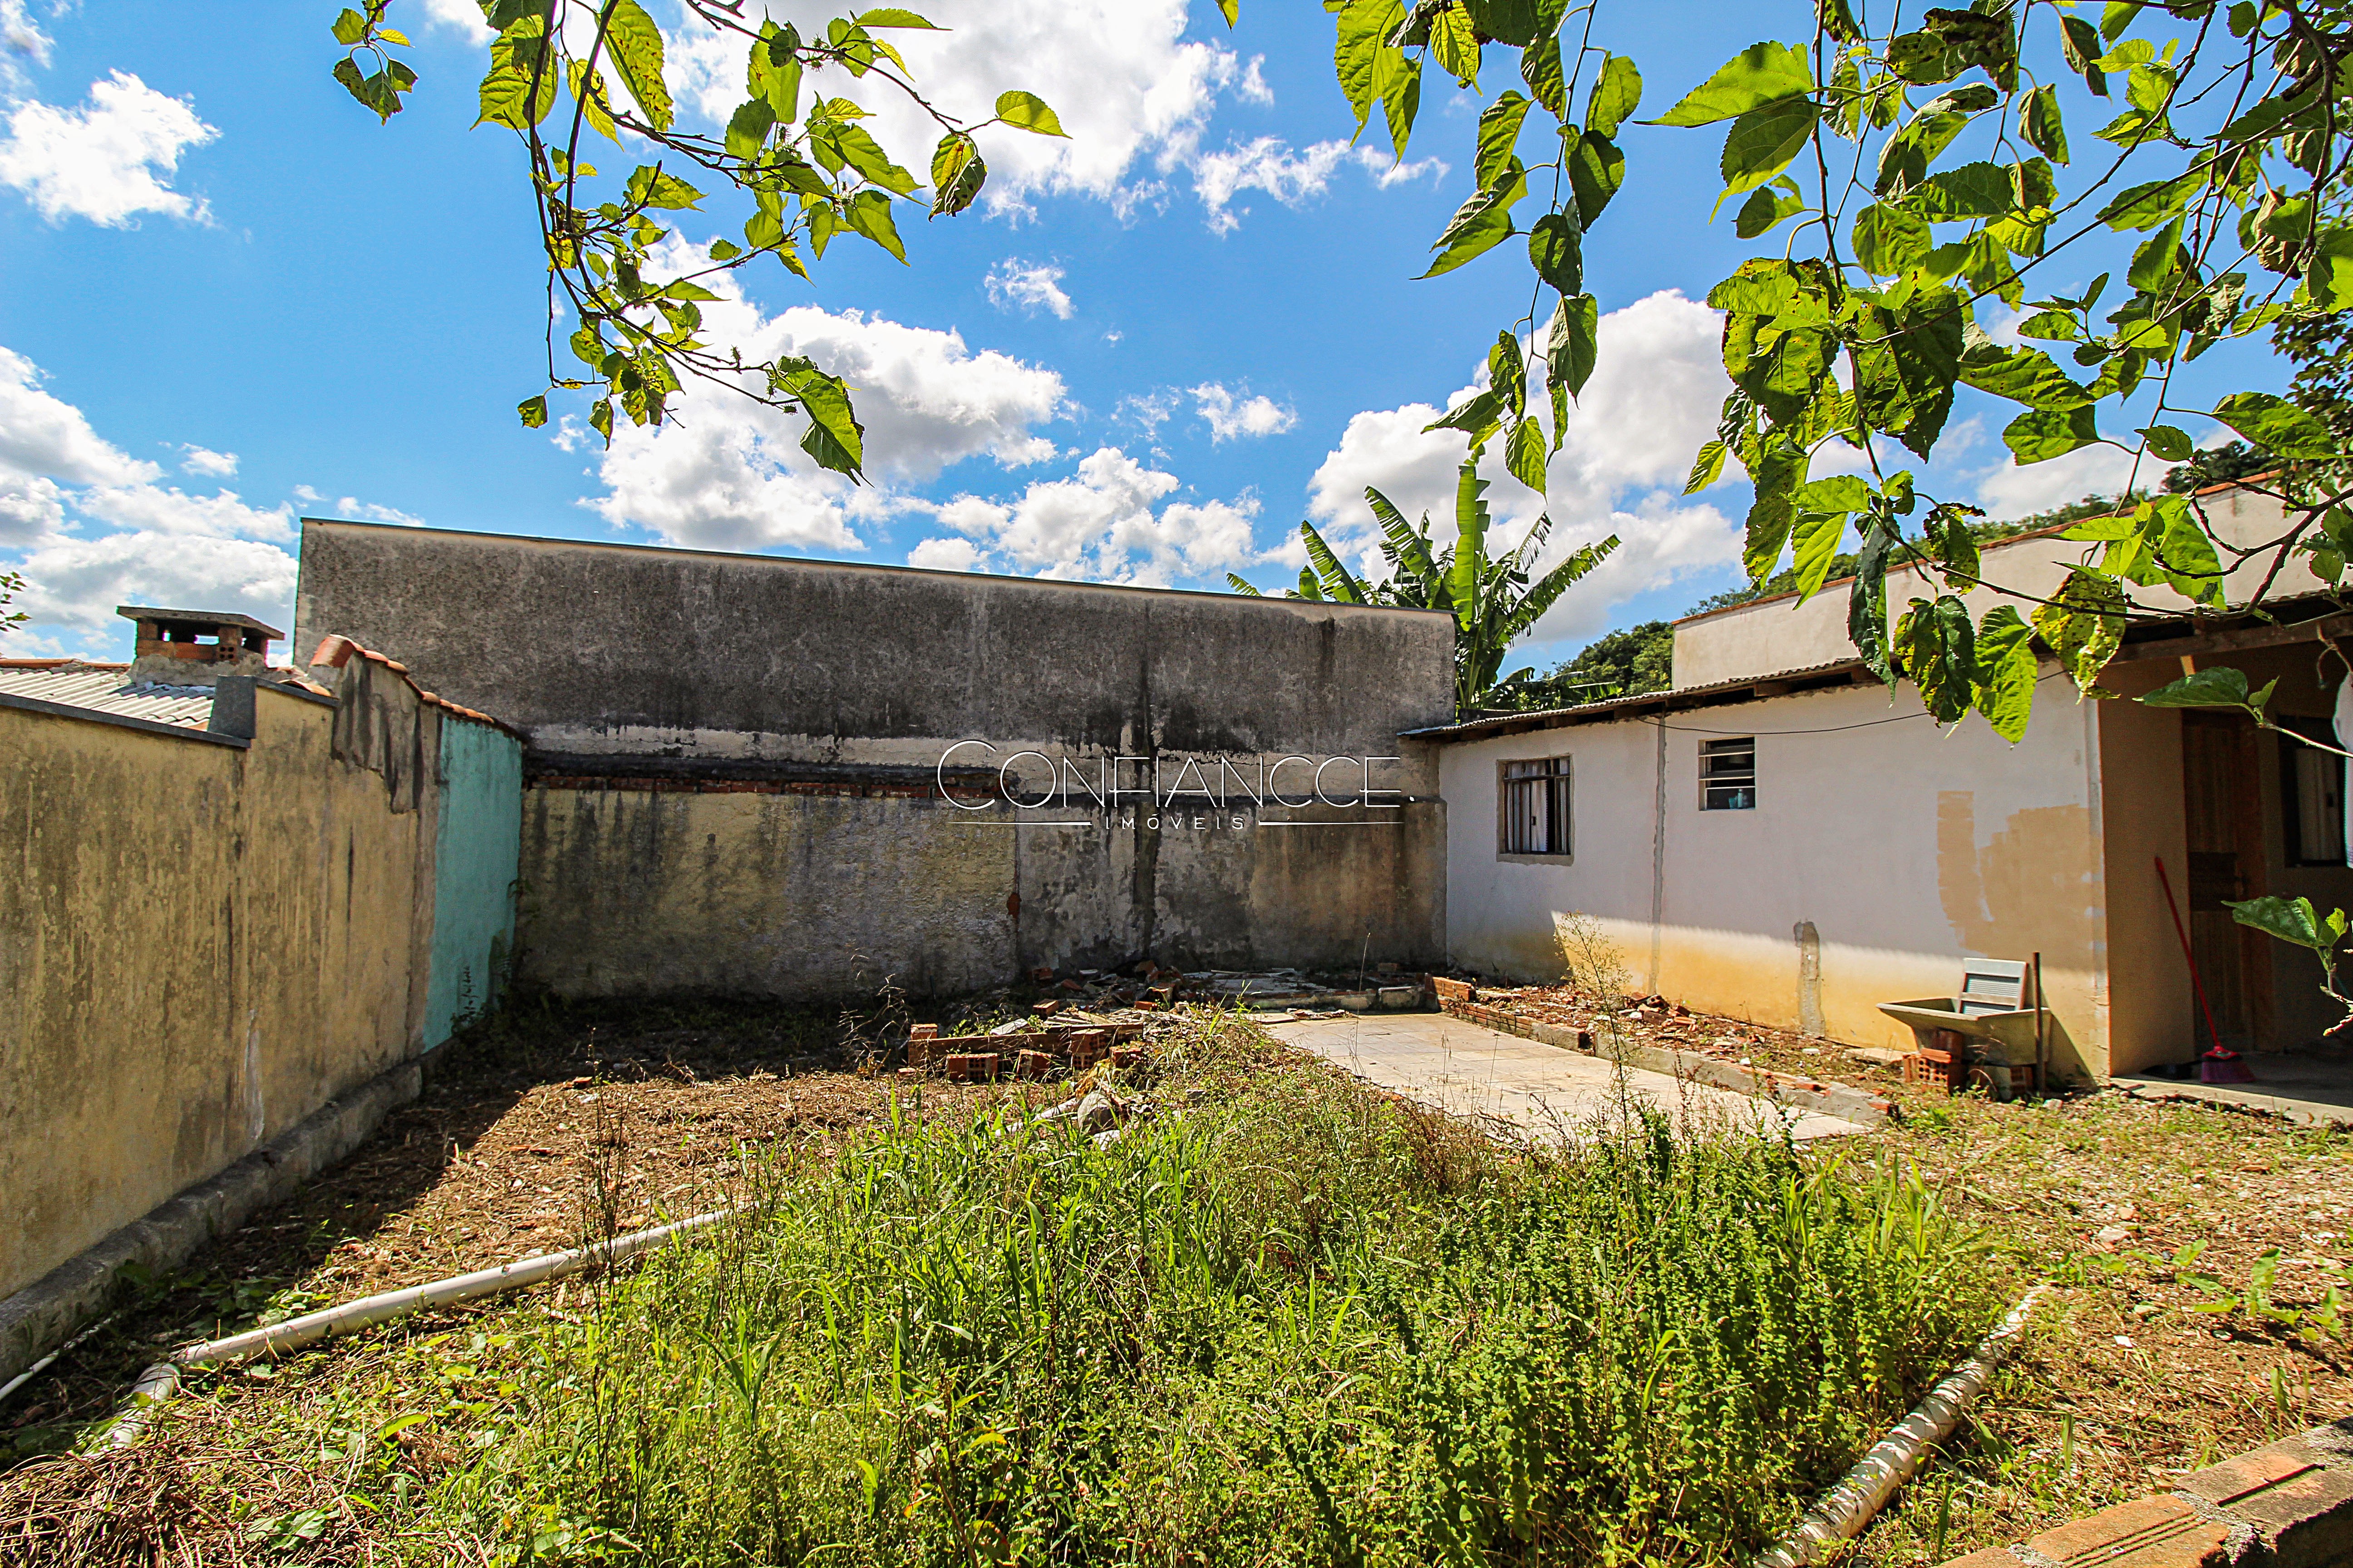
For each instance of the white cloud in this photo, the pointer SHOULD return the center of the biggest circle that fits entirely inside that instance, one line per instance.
(462, 17)
(210, 464)
(945, 555)
(101, 160)
(1389, 170)
(1147, 410)
(22, 43)
(1654, 399)
(93, 527)
(1014, 284)
(727, 473)
(2012, 491)
(1248, 417)
(1265, 165)
(77, 582)
(1131, 89)
(349, 509)
(46, 445)
(1099, 525)
(155, 509)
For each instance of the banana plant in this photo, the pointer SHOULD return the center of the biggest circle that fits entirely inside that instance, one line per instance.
(1491, 598)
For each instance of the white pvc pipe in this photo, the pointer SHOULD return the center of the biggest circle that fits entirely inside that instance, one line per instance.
(1848, 1507)
(34, 1371)
(159, 1382)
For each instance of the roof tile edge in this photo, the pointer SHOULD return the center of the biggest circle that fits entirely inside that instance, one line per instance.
(335, 650)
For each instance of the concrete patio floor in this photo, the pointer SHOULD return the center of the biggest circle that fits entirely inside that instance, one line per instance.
(2311, 1091)
(1469, 1070)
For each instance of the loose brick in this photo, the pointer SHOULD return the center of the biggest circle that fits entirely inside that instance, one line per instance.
(2251, 1472)
(1453, 990)
(1126, 1056)
(1042, 975)
(1035, 1064)
(2149, 1532)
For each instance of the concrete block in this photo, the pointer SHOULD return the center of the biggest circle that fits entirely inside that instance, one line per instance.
(2148, 1532)
(2304, 1520)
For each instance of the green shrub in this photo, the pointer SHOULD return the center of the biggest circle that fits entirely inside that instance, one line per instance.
(1285, 1319)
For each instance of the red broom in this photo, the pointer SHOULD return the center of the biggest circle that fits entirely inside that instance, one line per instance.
(2220, 1064)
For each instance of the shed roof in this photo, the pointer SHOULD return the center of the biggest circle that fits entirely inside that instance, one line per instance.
(100, 687)
(1748, 689)
(2290, 618)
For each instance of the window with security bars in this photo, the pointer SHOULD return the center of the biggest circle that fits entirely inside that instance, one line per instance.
(1727, 775)
(1536, 807)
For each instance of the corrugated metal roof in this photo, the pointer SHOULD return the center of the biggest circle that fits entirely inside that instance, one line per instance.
(1738, 690)
(100, 687)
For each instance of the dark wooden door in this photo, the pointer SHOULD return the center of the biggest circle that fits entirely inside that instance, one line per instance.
(2223, 805)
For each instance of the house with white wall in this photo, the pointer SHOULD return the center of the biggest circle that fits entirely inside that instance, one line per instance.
(1780, 839)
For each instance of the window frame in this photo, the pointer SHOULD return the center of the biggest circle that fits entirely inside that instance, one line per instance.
(2291, 794)
(1729, 746)
(1560, 807)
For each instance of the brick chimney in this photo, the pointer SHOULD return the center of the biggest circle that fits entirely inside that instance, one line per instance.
(195, 647)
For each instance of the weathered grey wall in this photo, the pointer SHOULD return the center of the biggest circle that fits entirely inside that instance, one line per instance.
(795, 710)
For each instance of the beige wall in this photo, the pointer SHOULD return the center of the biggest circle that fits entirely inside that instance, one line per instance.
(1904, 850)
(782, 893)
(200, 945)
(1772, 636)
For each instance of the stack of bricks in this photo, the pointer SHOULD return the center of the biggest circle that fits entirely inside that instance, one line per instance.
(2287, 1505)
(1460, 999)
(1087, 1047)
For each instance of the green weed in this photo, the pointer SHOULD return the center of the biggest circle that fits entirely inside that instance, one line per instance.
(1285, 1319)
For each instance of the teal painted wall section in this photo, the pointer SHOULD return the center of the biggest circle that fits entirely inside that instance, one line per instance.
(474, 873)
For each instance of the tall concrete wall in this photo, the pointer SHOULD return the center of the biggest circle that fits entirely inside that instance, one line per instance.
(475, 860)
(751, 746)
(200, 941)
(1899, 851)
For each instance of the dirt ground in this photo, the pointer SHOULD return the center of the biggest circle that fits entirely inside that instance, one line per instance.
(2146, 1360)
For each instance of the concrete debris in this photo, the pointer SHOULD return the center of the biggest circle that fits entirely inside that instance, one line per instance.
(1098, 1112)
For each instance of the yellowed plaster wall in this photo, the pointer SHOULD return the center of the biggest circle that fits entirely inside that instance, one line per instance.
(1902, 849)
(644, 890)
(639, 890)
(200, 945)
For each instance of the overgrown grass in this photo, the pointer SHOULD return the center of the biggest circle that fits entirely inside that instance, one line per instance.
(1283, 1320)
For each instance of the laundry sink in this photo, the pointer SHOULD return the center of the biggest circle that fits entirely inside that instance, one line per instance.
(2006, 1036)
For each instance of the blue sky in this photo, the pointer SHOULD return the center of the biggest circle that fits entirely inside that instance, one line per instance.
(1148, 354)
